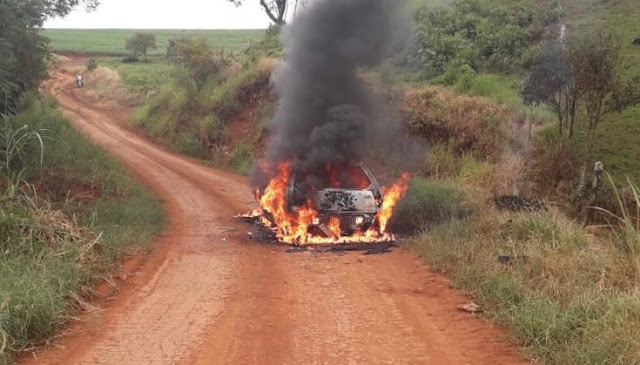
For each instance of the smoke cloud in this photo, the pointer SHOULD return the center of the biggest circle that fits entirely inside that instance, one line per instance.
(326, 114)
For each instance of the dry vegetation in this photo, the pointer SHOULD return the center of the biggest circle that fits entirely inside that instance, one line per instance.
(104, 86)
(68, 212)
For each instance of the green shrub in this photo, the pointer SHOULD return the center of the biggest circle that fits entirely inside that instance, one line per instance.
(195, 55)
(473, 34)
(189, 144)
(474, 171)
(242, 159)
(268, 46)
(92, 64)
(428, 203)
(211, 130)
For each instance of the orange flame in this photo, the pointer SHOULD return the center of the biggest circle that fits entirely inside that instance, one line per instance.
(292, 226)
(391, 198)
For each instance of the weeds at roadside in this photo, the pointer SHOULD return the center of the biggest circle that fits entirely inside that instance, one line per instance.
(564, 294)
(626, 225)
(52, 245)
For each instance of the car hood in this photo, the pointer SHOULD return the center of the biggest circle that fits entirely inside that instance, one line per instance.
(346, 201)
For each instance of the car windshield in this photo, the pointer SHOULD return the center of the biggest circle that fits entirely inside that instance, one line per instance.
(343, 176)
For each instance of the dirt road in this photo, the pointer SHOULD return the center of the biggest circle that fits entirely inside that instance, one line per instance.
(210, 295)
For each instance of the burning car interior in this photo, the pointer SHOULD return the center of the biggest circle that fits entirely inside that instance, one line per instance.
(346, 197)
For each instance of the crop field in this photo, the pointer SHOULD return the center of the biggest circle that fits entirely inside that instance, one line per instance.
(112, 41)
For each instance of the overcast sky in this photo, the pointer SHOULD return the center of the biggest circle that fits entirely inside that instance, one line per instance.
(166, 14)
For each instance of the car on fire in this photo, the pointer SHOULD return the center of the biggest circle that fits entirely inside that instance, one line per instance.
(344, 193)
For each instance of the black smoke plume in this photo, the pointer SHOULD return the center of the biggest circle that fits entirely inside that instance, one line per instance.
(326, 114)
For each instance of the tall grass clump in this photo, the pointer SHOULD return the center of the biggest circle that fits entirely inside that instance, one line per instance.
(242, 159)
(66, 217)
(464, 124)
(428, 203)
(442, 162)
(16, 147)
(626, 224)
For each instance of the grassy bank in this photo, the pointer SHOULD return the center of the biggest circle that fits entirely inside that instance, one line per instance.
(567, 296)
(112, 41)
(65, 220)
(213, 107)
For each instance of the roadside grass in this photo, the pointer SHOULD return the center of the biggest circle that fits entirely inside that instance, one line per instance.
(64, 229)
(568, 297)
(112, 41)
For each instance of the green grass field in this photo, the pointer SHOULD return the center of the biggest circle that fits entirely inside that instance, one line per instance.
(139, 76)
(112, 41)
(618, 136)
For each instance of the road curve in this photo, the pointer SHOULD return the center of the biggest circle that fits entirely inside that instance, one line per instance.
(210, 295)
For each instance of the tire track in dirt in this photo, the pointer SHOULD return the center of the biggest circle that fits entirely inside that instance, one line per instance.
(209, 295)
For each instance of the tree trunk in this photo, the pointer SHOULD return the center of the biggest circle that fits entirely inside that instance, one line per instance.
(281, 6)
(560, 125)
(591, 133)
(570, 119)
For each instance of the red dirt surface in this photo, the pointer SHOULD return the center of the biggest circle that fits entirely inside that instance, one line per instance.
(210, 295)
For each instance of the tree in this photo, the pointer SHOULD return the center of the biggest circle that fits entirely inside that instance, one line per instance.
(552, 83)
(63, 7)
(276, 9)
(599, 66)
(23, 50)
(139, 43)
(196, 56)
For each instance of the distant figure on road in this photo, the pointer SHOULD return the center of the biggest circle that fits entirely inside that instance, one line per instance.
(79, 81)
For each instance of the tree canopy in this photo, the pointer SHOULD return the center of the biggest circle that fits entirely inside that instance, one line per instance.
(23, 51)
(139, 43)
(276, 10)
(552, 83)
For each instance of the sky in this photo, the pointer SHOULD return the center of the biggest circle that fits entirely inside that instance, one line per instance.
(166, 14)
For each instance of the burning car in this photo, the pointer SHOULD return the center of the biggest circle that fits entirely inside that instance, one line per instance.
(347, 199)
(342, 204)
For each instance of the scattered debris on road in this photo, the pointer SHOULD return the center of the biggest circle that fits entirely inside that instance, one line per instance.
(470, 308)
